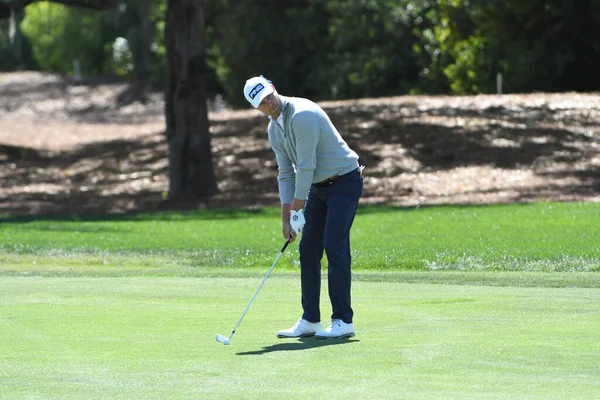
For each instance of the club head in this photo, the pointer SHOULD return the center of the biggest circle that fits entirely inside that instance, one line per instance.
(223, 339)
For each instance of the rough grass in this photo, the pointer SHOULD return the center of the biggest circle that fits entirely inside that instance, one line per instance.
(543, 237)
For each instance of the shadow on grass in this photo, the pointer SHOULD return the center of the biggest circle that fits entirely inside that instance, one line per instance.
(300, 344)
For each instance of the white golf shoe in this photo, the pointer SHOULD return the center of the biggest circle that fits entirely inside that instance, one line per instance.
(302, 328)
(337, 330)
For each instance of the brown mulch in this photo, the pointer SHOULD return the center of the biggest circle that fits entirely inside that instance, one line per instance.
(91, 147)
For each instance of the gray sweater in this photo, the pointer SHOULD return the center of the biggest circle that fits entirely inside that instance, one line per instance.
(308, 148)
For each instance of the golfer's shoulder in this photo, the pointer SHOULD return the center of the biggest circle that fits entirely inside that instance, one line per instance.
(300, 105)
(304, 109)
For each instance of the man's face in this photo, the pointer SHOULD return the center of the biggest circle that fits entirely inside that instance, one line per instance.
(270, 105)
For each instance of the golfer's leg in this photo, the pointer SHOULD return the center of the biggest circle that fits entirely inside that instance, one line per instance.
(340, 215)
(311, 252)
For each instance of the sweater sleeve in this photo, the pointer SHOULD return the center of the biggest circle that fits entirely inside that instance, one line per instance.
(306, 130)
(286, 177)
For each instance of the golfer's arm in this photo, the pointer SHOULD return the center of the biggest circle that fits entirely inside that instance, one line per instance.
(298, 204)
(286, 208)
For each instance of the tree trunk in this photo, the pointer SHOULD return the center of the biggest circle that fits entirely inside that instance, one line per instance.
(191, 173)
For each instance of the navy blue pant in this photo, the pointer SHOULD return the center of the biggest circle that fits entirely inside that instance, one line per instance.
(329, 213)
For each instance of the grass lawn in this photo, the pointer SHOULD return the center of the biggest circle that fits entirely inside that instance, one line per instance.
(450, 302)
(546, 237)
(154, 337)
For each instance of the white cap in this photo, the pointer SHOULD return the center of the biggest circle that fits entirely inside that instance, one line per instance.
(256, 89)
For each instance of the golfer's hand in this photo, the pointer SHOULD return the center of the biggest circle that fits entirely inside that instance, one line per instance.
(288, 232)
(297, 221)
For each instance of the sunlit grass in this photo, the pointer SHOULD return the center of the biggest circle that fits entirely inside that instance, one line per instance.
(545, 237)
(450, 302)
(149, 337)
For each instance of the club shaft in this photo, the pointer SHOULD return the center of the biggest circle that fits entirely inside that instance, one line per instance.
(259, 287)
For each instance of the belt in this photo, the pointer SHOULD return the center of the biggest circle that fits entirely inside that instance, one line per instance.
(328, 180)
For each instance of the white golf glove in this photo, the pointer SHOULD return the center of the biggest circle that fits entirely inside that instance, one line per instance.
(297, 221)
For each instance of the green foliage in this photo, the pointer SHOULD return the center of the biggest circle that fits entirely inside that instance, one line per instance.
(102, 42)
(60, 35)
(326, 49)
(361, 48)
(369, 49)
(281, 40)
(430, 59)
(157, 45)
(316, 48)
(8, 60)
(539, 46)
(468, 72)
(454, 53)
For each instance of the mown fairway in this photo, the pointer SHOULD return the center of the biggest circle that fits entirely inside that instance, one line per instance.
(450, 302)
(154, 338)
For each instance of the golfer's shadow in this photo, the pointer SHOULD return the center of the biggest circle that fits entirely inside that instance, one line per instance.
(300, 344)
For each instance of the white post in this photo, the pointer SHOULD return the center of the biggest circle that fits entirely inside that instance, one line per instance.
(76, 71)
(499, 82)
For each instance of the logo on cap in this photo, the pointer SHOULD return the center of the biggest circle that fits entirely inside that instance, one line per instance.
(255, 90)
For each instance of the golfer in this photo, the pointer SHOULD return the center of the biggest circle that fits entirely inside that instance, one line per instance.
(320, 184)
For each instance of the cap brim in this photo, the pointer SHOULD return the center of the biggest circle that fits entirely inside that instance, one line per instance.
(264, 93)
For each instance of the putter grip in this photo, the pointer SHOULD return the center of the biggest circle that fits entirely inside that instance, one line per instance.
(285, 245)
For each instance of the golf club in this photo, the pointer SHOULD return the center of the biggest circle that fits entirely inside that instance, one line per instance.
(226, 340)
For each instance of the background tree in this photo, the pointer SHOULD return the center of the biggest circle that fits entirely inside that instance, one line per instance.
(537, 45)
(322, 49)
(283, 40)
(369, 49)
(191, 172)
